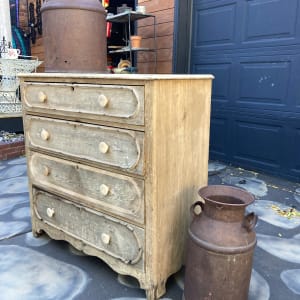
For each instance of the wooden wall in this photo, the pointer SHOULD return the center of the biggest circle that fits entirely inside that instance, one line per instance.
(23, 17)
(164, 12)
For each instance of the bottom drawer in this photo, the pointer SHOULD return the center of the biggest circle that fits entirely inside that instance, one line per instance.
(114, 237)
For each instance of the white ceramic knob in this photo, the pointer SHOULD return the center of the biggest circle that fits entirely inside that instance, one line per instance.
(46, 171)
(103, 147)
(45, 135)
(105, 238)
(104, 189)
(42, 97)
(50, 212)
(103, 101)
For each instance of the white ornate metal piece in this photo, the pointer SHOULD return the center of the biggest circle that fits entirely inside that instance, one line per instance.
(9, 82)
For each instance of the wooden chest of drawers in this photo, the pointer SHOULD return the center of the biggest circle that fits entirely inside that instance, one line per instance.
(114, 164)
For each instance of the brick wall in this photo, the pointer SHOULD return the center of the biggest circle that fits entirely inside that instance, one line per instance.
(11, 150)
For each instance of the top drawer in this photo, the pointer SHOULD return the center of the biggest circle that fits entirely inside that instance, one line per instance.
(114, 103)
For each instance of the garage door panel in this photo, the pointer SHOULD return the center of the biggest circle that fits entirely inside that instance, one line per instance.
(296, 152)
(219, 129)
(297, 100)
(221, 83)
(278, 17)
(269, 81)
(257, 141)
(294, 147)
(244, 24)
(266, 144)
(257, 81)
(222, 15)
(264, 83)
(258, 138)
(294, 98)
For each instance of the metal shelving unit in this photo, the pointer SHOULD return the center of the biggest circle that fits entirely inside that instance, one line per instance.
(126, 18)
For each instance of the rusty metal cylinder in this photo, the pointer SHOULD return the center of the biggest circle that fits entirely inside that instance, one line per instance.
(74, 36)
(220, 245)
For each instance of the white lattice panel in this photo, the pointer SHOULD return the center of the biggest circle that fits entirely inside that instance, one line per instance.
(9, 82)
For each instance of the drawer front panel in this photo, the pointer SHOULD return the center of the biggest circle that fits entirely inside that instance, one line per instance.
(116, 238)
(99, 189)
(113, 147)
(111, 102)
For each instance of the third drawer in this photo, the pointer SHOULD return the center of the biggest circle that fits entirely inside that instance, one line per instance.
(96, 188)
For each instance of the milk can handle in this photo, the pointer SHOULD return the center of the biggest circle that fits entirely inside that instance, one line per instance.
(250, 221)
(192, 209)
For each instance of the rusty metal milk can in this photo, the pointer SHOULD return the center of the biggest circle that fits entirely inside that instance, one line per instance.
(74, 36)
(220, 245)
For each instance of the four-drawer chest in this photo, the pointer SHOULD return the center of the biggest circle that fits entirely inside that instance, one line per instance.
(114, 164)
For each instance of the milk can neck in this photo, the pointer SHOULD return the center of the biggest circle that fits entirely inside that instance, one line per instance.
(224, 211)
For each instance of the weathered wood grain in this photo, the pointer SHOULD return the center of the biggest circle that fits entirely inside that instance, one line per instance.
(116, 194)
(113, 147)
(124, 104)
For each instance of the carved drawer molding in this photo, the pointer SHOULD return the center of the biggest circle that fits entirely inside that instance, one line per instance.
(116, 238)
(112, 192)
(105, 145)
(114, 103)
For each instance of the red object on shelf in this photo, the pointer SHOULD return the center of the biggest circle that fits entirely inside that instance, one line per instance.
(108, 29)
(105, 3)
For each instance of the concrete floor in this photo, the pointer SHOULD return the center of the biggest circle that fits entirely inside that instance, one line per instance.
(40, 268)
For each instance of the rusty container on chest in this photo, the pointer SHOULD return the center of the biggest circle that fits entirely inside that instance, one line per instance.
(74, 36)
(220, 245)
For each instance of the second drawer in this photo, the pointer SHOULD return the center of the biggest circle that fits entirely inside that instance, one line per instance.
(113, 147)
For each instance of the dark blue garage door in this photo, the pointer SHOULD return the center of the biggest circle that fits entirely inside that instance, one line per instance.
(253, 49)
